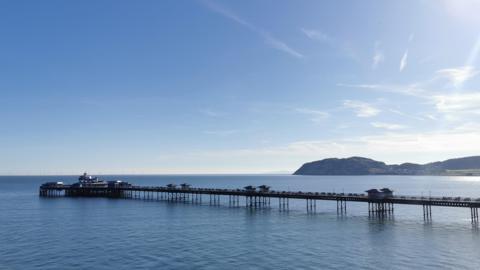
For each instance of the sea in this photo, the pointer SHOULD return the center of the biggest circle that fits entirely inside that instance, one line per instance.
(101, 233)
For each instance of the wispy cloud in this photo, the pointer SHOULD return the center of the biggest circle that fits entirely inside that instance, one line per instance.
(269, 39)
(361, 109)
(414, 117)
(413, 89)
(211, 113)
(411, 37)
(455, 106)
(392, 147)
(316, 35)
(315, 115)
(457, 76)
(344, 47)
(388, 126)
(403, 61)
(460, 103)
(280, 45)
(378, 56)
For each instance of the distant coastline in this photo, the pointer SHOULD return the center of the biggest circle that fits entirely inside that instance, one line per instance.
(466, 166)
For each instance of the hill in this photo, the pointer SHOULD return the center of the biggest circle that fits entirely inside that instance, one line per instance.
(366, 166)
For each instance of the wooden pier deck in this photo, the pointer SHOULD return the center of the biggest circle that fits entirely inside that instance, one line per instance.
(262, 199)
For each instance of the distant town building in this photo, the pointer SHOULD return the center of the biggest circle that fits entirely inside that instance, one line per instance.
(250, 188)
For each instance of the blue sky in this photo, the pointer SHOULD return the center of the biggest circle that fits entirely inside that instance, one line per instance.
(234, 86)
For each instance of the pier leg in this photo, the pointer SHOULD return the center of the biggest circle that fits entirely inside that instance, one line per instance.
(427, 212)
(474, 214)
(310, 207)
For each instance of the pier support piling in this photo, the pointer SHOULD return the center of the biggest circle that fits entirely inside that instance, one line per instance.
(341, 207)
(427, 212)
(474, 214)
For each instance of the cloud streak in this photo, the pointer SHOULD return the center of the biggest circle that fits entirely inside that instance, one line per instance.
(453, 106)
(378, 56)
(316, 35)
(392, 147)
(457, 76)
(268, 38)
(387, 126)
(460, 103)
(210, 113)
(280, 45)
(361, 109)
(403, 61)
(315, 115)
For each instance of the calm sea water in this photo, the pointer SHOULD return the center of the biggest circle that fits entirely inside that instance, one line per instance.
(98, 233)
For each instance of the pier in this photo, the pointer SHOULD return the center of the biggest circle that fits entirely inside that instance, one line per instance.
(261, 197)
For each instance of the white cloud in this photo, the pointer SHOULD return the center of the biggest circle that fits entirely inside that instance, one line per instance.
(269, 39)
(406, 115)
(388, 126)
(389, 147)
(413, 89)
(464, 103)
(315, 115)
(457, 76)
(362, 109)
(378, 56)
(458, 106)
(316, 35)
(403, 61)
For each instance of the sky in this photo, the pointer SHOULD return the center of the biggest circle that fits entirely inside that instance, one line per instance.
(210, 86)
